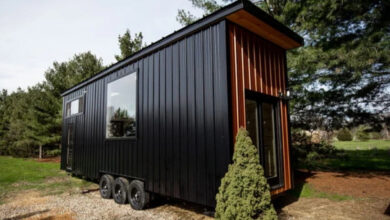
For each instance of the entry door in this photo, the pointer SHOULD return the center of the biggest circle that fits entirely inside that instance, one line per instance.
(263, 123)
(69, 146)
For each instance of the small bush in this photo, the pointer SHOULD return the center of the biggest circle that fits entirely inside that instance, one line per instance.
(53, 153)
(244, 192)
(306, 154)
(344, 135)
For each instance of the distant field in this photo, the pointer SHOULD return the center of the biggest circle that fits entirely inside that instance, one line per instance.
(363, 145)
(17, 174)
(361, 155)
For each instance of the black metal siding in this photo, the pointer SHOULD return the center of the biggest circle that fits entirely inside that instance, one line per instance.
(183, 139)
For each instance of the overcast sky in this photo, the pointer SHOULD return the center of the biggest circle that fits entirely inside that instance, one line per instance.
(33, 34)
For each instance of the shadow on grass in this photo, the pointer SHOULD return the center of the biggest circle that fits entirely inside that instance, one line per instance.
(293, 195)
(303, 189)
(365, 174)
(358, 160)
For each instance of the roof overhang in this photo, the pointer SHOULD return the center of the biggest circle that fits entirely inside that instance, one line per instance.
(257, 21)
(241, 12)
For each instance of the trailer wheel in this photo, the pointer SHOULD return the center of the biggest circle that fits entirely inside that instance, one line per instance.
(105, 186)
(138, 198)
(120, 189)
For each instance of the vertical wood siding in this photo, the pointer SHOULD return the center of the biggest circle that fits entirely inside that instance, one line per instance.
(260, 66)
(184, 138)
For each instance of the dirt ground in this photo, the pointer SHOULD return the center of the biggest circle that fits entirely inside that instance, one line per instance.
(50, 159)
(370, 192)
(320, 208)
(30, 205)
(361, 185)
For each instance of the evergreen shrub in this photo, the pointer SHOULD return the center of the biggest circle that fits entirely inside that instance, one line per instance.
(306, 154)
(53, 153)
(244, 192)
(344, 135)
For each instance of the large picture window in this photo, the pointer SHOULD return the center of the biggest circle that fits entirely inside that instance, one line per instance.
(121, 107)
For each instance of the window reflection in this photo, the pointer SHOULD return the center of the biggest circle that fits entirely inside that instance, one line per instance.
(75, 107)
(261, 125)
(252, 121)
(269, 139)
(121, 107)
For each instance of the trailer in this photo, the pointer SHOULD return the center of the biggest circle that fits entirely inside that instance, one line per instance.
(163, 121)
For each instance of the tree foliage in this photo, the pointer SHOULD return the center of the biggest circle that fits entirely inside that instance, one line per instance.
(244, 191)
(128, 45)
(341, 75)
(63, 75)
(32, 118)
(362, 133)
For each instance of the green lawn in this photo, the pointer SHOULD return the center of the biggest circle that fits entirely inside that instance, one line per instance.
(17, 174)
(363, 145)
(361, 155)
(308, 191)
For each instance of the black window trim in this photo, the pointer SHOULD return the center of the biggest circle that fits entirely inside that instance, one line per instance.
(73, 99)
(111, 78)
(275, 182)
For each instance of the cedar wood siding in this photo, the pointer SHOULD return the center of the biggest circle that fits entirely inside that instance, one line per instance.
(260, 66)
(183, 144)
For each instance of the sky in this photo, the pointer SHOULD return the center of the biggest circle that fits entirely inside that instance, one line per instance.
(34, 34)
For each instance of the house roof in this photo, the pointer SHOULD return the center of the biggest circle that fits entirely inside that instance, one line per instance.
(241, 12)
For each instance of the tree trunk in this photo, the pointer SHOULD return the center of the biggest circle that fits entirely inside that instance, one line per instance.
(40, 151)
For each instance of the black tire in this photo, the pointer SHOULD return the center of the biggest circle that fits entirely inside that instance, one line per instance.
(120, 189)
(105, 186)
(138, 198)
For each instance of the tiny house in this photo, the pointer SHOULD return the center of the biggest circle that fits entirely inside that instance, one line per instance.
(163, 121)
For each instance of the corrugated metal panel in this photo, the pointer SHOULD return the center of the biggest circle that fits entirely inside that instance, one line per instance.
(258, 65)
(183, 145)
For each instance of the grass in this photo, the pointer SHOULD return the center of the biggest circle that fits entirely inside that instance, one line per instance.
(372, 155)
(363, 145)
(308, 191)
(19, 174)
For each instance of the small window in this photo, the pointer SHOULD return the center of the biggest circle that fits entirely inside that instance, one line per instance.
(75, 107)
(121, 107)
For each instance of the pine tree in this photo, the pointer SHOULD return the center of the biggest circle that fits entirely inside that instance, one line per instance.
(32, 119)
(63, 75)
(129, 45)
(341, 75)
(244, 192)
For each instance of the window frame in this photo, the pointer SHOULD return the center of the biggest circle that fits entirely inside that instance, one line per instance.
(113, 77)
(70, 103)
(274, 182)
